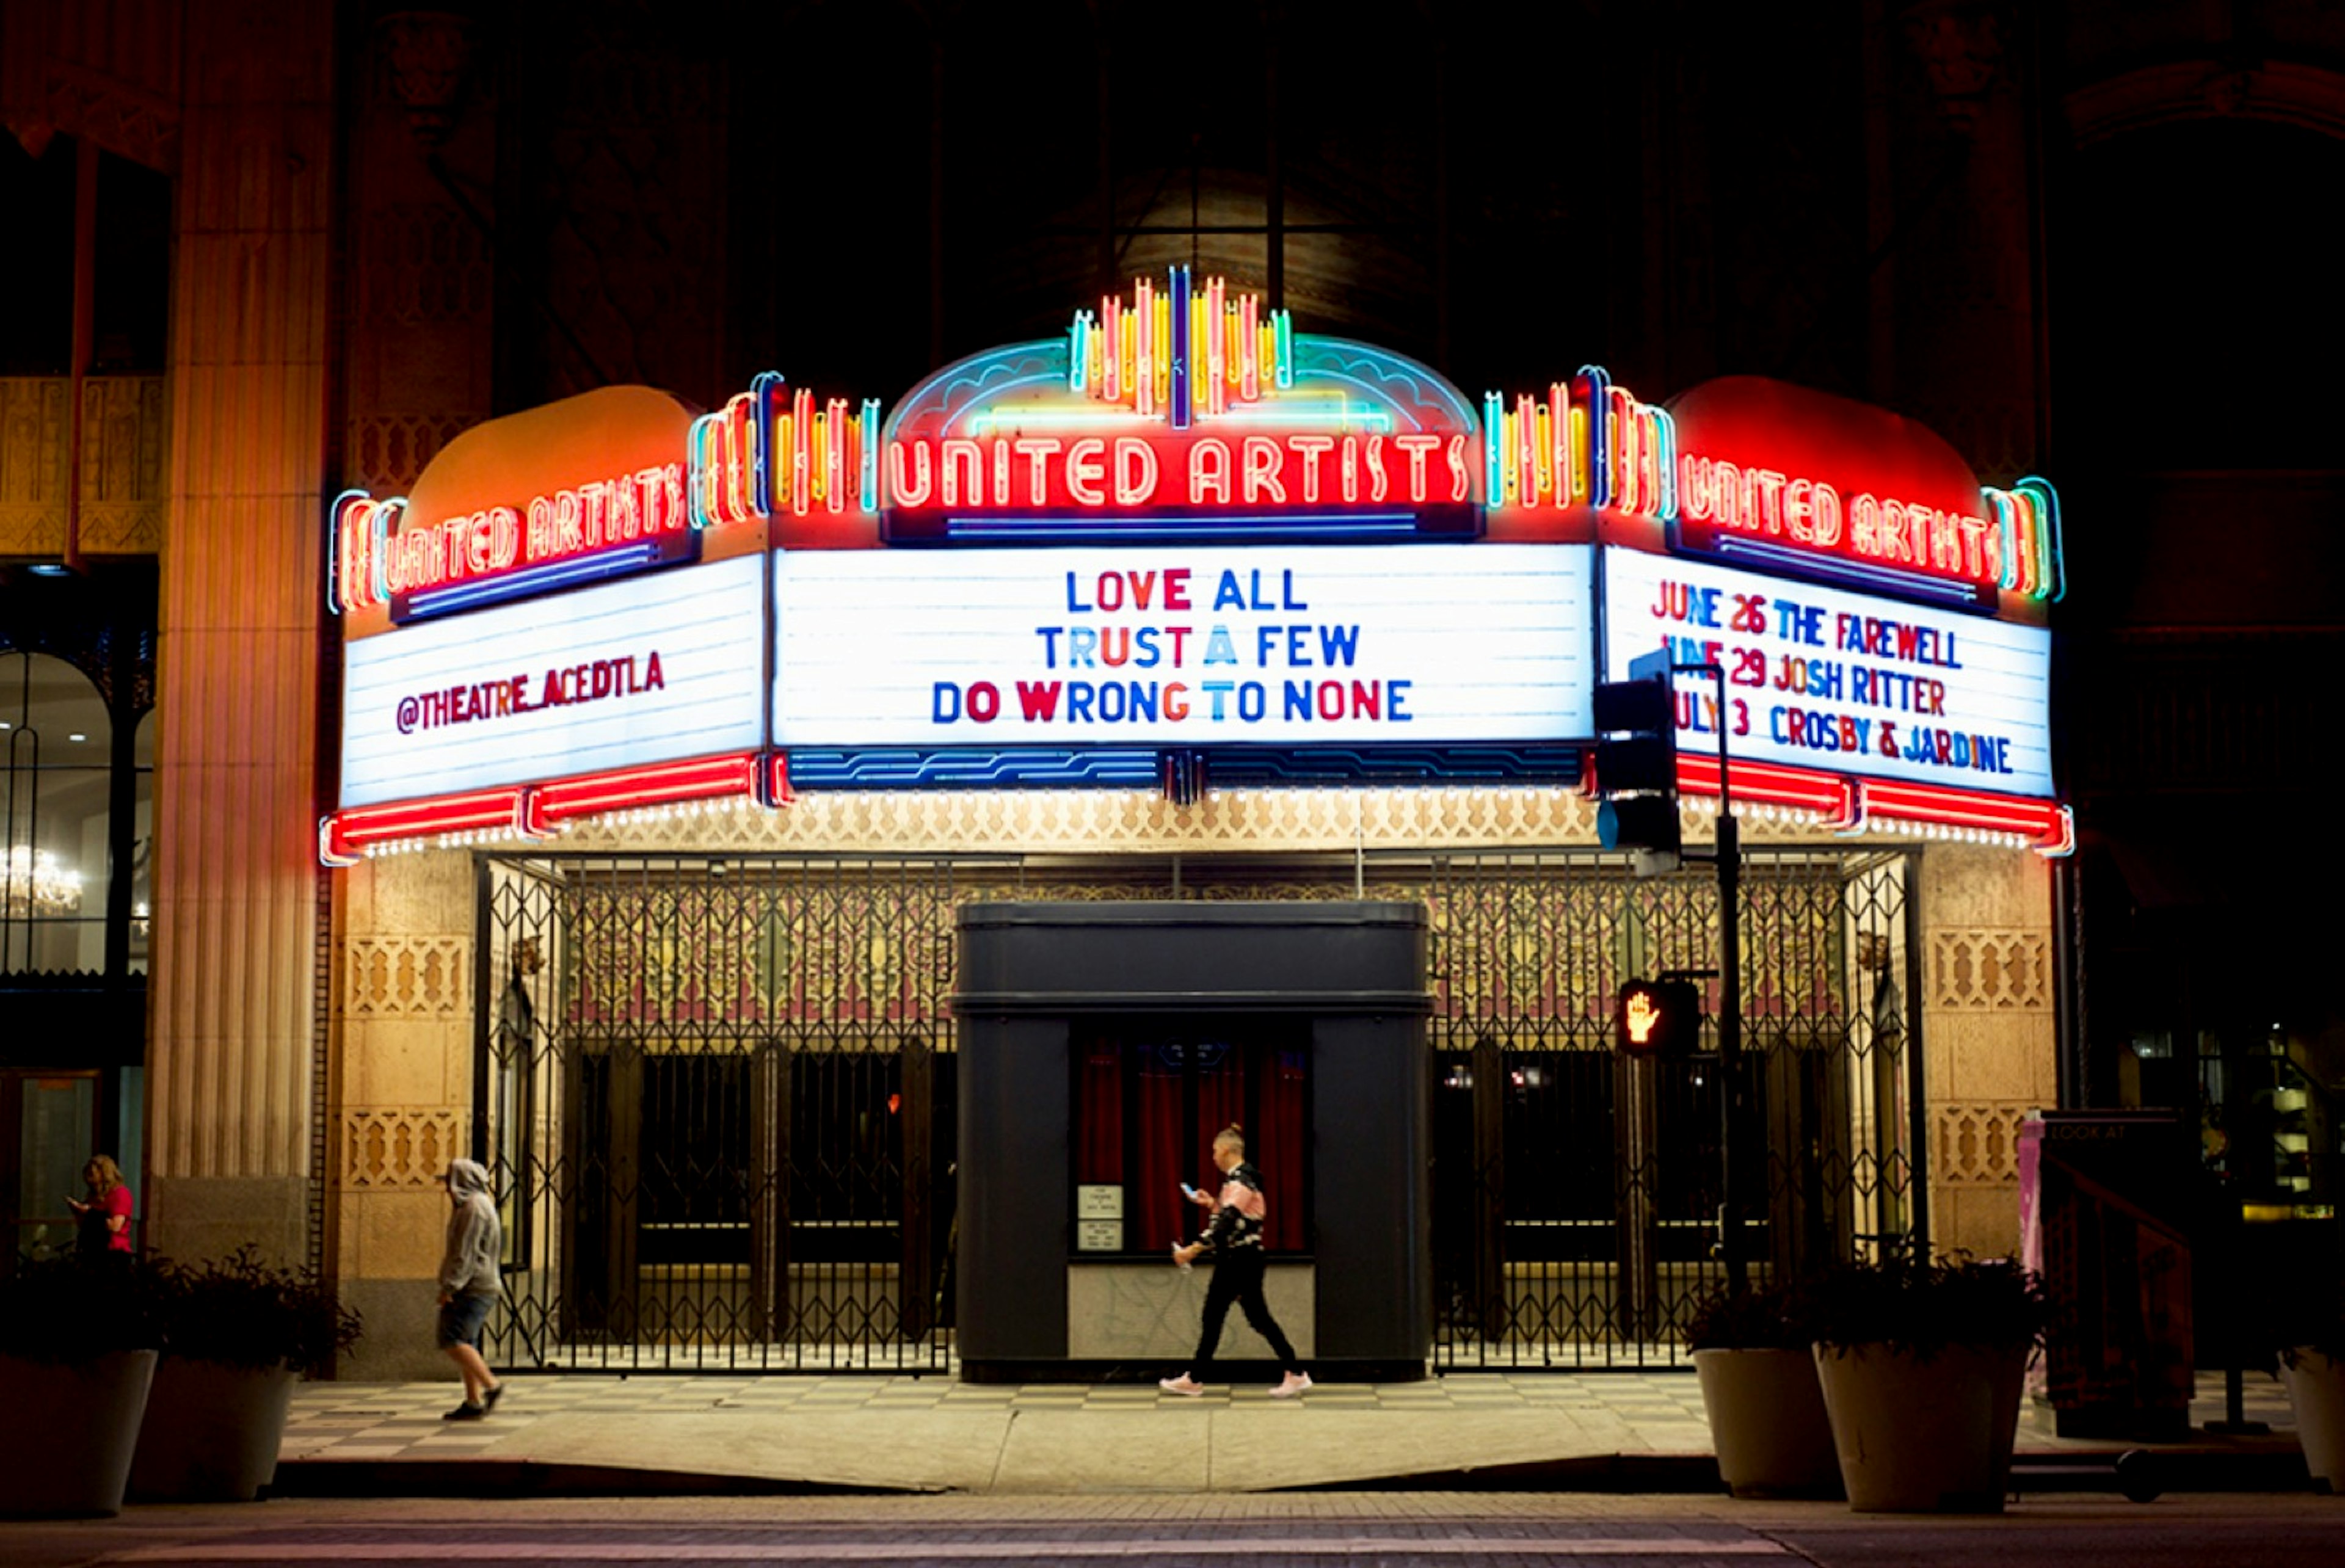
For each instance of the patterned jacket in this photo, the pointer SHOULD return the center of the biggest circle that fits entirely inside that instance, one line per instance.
(1238, 1215)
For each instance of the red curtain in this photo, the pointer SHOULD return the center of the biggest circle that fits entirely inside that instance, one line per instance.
(1171, 1152)
(1221, 1100)
(1163, 1216)
(1099, 1116)
(1280, 1159)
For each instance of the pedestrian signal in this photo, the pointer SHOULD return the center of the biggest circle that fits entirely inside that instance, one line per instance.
(1659, 1019)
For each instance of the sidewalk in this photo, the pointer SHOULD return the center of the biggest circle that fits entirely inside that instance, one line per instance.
(1626, 1431)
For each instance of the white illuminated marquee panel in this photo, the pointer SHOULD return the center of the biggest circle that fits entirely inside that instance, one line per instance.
(1428, 644)
(653, 669)
(1842, 681)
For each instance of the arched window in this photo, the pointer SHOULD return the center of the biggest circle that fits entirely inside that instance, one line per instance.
(55, 816)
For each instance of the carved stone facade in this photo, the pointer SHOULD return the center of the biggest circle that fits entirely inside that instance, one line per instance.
(423, 249)
(125, 429)
(1988, 1035)
(231, 1026)
(406, 1045)
(391, 1147)
(405, 230)
(425, 977)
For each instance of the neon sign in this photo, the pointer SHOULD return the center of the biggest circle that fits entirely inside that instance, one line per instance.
(766, 454)
(1586, 443)
(1182, 413)
(1779, 477)
(386, 556)
(1180, 350)
(586, 489)
(1221, 492)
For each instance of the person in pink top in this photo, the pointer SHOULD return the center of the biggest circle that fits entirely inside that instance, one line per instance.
(103, 1222)
(1233, 1237)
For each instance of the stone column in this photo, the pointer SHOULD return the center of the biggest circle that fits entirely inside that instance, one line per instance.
(1987, 1022)
(1959, 329)
(231, 998)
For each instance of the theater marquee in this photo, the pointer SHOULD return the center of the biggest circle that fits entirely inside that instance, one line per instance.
(1184, 541)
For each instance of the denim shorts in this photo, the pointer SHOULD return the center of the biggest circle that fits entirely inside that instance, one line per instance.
(461, 1319)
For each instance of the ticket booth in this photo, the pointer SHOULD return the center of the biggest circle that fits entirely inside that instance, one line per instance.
(1102, 1047)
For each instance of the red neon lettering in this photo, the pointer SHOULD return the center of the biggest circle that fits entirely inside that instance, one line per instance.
(1311, 449)
(626, 508)
(1087, 471)
(595, 514)
(1209, 470)
(1261, 457)
(964, 466)
(1135, 472)
(569, 537)
(1416, 445)
(912, 489)
(1037, 452)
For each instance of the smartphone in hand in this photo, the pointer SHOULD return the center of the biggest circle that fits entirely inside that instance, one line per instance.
(1187, 1192)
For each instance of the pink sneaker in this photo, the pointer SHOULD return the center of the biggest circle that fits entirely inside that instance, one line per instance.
(1290, 1385)
(1182, 1385)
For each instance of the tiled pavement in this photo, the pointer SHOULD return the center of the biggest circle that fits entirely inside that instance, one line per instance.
(387, 1420)
(1657, 1412)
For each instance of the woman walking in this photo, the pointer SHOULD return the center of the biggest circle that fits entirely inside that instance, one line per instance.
(1235, 1237)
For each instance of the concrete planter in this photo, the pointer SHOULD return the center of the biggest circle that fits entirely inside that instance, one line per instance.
(211, 1432)
(1918, 1436)
(2316, 1387)
(1767, 1422)
(68, 1432)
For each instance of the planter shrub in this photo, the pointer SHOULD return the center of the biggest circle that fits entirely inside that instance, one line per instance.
(2312, 1363)
(1761, 1392)
(1922, 1365)
(76, 1356)
(238, 1334)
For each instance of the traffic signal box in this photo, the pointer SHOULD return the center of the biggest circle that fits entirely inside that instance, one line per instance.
(1637, 766)
(1660, 1018)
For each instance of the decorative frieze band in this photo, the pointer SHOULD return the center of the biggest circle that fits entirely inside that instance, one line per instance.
(407, 976)
(1975, 1145)
(1110, 821)
(387, 1148)
(1990, 970)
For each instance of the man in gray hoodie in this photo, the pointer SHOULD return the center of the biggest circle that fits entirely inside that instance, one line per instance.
(469, 1283)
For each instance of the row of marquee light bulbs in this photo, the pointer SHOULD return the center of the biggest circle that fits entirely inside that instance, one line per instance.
(1787, 816)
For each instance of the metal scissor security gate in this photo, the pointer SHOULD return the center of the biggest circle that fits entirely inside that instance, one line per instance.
(1576, 1194)
(718, 1094)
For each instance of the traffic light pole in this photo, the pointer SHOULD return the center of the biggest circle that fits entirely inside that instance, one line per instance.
(1729, 998)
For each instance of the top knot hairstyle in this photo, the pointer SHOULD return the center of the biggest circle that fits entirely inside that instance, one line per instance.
(1233, 1135)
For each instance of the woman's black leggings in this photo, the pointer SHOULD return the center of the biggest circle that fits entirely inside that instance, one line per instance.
(1237, 1276)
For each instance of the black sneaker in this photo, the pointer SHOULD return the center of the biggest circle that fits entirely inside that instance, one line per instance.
(489, 1398)
(467, 1410)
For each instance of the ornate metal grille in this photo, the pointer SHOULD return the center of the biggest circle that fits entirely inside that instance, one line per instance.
(718, 1093)
(1576, 1194)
